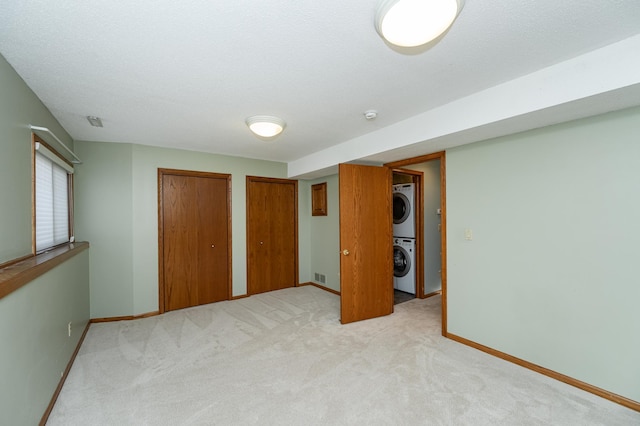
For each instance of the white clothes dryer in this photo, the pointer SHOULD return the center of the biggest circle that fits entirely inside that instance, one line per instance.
(404, 264)
(404, 223)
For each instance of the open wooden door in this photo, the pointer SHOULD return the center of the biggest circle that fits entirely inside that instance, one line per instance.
(366, 259)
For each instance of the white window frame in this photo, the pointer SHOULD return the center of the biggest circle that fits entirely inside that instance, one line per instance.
(52, 198)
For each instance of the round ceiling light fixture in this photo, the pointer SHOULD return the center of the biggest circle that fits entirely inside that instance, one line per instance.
(266, 126)
(412, 23)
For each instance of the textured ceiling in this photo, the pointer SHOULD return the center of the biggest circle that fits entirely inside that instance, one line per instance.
(187, 74)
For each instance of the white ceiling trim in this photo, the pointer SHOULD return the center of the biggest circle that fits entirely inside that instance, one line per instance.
(583, 79)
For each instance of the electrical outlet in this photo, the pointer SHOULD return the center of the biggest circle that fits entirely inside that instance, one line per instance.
(69, 328)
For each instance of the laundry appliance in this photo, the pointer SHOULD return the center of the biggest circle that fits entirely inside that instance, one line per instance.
(404, 223)
(404, 264)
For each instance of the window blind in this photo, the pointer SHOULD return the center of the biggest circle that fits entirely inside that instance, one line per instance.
(52, 202)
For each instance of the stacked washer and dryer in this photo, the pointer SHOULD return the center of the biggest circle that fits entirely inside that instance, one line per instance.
(404, 238)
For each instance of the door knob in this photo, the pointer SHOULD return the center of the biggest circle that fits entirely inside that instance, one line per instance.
(261, 242)
(345, 252)
(213, 245)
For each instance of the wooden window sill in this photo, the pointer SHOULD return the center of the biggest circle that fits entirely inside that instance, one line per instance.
(14, 276)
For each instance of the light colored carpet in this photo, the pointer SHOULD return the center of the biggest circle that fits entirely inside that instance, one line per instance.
(283, 358)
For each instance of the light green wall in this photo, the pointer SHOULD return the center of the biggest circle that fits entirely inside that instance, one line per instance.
(431, 237)
(324, 237)
(19, 107)
(36, 347)
(550, 275)
(146, 161)
(33, 319)
(304, 230)
(103, 216)
(120, 193)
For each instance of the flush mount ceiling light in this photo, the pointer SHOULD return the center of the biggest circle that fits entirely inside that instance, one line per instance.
(412, 23)
(266, 126)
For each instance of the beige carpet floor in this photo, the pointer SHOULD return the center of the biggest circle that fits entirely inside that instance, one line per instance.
(283, 358)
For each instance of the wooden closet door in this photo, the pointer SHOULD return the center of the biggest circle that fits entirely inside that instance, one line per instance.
(194, 238)
(272, 234)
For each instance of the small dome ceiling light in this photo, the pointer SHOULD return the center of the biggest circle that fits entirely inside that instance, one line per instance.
(266, 126)
(412, 23)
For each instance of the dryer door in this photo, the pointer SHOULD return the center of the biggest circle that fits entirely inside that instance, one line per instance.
(401, 261)
(401, 207)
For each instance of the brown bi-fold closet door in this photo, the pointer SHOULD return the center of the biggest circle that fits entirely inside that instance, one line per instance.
(194, 238)
(272, 234)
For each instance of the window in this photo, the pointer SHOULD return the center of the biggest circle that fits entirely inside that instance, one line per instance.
(52, 198)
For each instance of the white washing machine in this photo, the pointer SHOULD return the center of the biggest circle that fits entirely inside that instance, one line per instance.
(404, 223)
(404, 264)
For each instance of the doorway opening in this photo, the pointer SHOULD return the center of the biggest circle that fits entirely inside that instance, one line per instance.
(407, 225)
(427, 173)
